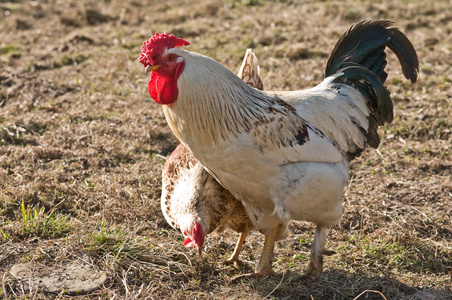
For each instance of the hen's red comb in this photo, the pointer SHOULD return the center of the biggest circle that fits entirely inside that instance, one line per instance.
(153, 48)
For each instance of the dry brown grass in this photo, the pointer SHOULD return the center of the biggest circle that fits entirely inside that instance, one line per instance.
(81, 146)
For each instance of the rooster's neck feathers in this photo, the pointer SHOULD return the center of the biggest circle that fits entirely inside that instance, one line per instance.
(229, 107)
(228, 104)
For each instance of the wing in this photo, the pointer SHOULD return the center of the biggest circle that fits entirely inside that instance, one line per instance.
(269, 128)
(338, 111)
(283, 135)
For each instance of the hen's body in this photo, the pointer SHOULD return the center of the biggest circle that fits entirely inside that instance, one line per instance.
(190, 194)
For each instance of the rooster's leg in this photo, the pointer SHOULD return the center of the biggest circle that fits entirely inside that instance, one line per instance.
(264, 266)
(317, 251)
(234, 259)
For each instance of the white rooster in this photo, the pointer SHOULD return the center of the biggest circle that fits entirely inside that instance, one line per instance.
(193, 201)
(285, 155)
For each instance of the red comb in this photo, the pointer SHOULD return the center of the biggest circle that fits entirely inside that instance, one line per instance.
(153, 48)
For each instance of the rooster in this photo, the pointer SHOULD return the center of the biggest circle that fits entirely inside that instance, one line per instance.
(285, 155)
(193, 201)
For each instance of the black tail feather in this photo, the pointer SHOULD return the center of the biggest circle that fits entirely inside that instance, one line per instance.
(405, 52)
(364, 43)
(359, 59)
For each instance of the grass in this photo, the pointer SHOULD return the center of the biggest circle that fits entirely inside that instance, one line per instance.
(114, 242)
(36, 222)
(82, 148)
(10, 49)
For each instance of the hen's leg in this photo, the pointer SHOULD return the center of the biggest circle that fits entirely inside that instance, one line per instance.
(317, 251)
(234, 259)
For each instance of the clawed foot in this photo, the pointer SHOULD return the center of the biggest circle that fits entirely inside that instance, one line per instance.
(234, 262)
(315, 267)
(317, 251)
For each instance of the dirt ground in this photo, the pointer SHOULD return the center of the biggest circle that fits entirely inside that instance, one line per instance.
(82, 147)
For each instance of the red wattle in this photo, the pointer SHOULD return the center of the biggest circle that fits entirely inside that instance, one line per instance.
(188, 243)
(198, 234)
(163, 88)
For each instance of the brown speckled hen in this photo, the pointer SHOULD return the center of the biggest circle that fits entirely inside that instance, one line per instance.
(193, 201)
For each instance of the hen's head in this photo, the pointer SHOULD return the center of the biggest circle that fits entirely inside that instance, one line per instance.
(195, 238)
(165, 66)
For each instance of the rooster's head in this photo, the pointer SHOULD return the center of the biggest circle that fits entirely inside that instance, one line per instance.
(165, 65)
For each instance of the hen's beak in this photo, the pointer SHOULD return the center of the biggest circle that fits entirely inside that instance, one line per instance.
(200, 252)
(150, 68)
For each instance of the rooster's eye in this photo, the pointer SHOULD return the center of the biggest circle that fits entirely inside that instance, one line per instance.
(170, 58)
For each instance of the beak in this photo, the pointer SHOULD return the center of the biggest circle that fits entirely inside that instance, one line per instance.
(200, 252)
(150, 68)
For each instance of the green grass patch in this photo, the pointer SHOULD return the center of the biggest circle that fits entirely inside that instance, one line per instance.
(10, 49)
(115, 242)
(36, 221)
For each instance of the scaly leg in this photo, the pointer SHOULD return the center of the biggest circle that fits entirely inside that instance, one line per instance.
(234, 259)
(317, 251)
(264, 265)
